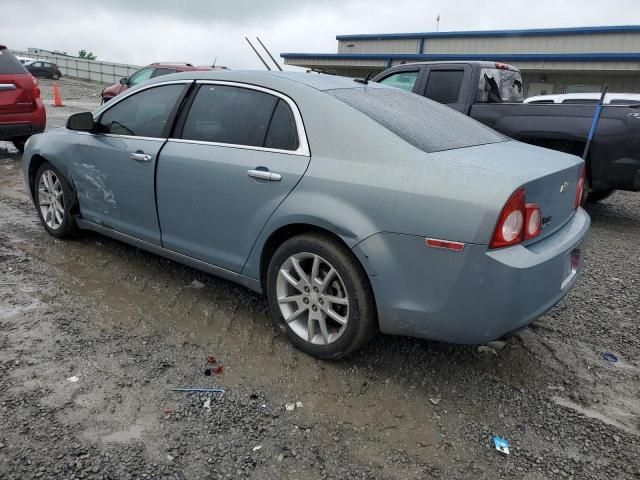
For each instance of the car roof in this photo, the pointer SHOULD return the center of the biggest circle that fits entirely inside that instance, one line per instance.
(559, 98)
(478, 63)
(316, 81)
(182, 66)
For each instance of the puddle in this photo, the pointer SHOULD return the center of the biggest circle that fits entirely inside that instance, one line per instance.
(133, 433)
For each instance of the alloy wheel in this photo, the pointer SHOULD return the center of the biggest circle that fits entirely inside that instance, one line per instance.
(312, 298)
(51, 199)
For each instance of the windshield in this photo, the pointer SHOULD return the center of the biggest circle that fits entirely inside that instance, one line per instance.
(423, 123)
(499, 85)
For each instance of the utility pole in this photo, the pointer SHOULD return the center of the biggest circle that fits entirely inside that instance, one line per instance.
(438, 22)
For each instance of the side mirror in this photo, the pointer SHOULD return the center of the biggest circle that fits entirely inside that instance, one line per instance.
(82, 122)
(124, 81)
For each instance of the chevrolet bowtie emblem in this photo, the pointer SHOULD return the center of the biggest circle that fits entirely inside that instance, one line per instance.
(564, 187)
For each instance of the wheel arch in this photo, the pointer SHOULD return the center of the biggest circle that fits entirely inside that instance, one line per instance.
(284, 233)
(34, 164)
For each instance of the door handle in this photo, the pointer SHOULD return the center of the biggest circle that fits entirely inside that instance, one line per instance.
(140, 157)
(265, 175)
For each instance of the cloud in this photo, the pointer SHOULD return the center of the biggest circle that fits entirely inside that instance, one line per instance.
(198, 31)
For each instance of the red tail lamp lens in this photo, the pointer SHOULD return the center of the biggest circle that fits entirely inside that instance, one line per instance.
(509, 229)
(534, 221)
(580, 188)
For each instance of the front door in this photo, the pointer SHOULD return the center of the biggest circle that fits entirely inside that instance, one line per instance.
(114, 168)
(239, 151)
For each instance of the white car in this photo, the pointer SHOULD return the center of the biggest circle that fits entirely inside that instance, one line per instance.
(25, 60)
(586, 98)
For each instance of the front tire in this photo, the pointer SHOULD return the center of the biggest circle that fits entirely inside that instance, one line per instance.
(321, 294)
(54, 200)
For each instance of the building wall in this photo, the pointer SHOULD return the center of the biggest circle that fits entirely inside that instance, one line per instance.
(379, 46)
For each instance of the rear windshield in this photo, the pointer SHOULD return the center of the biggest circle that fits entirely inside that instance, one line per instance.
(423, 123)
(9, 65)
(499, 85)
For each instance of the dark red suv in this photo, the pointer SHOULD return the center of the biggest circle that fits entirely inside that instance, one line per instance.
(150, 71)
(22, 113)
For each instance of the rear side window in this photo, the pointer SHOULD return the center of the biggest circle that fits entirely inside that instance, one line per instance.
(144, 114)
(443, 86)
(282, 132)
(403, 80)
(624, 102)
(239, 116)
(9, 65)
(423, 123)
(163, 71)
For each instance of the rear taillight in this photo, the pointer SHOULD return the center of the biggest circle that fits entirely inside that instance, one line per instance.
(509, 228)
(518, 221)
(533, 223)
(580, 190)
(36, 88)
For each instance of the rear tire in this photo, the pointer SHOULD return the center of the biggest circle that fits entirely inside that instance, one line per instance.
(331, 308)
(19, 143)
(599, 195)
(54, 199)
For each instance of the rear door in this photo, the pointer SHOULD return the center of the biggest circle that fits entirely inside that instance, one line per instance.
(114, 168)
(16, 87)
(237, 153)
(448, 84)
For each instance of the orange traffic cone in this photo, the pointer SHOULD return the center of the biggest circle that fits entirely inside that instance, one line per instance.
(57, 99)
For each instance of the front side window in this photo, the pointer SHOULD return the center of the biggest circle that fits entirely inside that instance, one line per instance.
(443, 86)
(403, 80)
(240, 116)
(140, 76)
(144, 114)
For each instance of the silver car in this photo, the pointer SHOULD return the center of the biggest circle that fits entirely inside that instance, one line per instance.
(354, 207)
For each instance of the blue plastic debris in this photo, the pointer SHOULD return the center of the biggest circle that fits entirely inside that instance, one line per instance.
(198, 389)
(502, 444)
(609, 357)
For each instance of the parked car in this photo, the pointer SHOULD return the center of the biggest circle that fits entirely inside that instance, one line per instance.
(150, 71)
(587, 98)
(492, 93)
(21, 110)
(43, 69)
(25, 60)
(380, 211)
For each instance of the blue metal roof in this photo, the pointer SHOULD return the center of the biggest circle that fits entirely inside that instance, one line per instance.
(496, 33)
(502, 57)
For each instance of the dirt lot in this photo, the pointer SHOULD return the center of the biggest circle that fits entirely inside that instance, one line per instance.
(131, 326)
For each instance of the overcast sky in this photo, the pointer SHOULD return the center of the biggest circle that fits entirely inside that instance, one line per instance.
(198, 31)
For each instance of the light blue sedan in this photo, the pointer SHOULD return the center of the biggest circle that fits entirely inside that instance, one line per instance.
(354, 207)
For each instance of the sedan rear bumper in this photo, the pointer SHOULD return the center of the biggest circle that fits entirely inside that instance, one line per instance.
(474, 296)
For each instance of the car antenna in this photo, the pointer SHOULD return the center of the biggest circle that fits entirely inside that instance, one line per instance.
(214, 62)
(269, 53)
(364, 81)
(256, 52)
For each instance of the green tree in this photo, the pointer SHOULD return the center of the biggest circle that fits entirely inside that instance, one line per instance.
(88, 55)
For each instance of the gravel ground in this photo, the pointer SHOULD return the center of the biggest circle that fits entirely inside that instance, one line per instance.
(131, 326)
